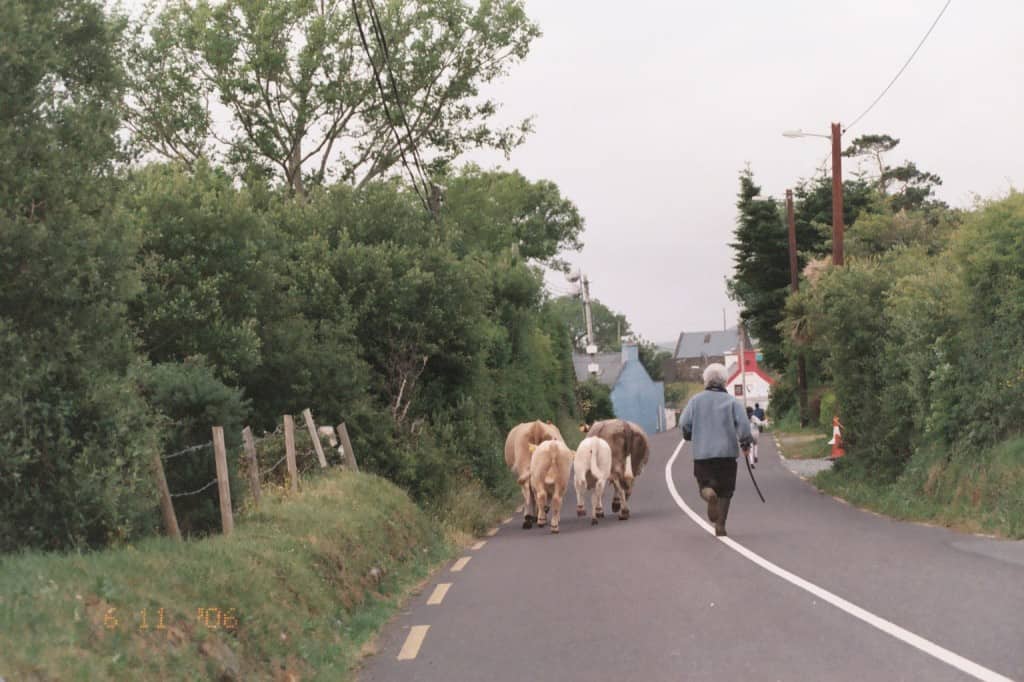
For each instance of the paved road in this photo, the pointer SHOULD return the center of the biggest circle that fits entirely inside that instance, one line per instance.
(659, 598)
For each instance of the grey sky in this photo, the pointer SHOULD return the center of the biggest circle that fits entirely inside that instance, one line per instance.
(647, 110)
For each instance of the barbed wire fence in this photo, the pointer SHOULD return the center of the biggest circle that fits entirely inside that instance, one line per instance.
(312, 458)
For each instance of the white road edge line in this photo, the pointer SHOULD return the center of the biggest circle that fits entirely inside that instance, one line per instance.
(945, 655)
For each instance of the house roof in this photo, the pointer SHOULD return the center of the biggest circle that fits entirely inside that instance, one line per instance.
(609, 367)
(734, 372)
(697, 344)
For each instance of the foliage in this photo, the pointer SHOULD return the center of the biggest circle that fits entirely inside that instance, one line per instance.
(609, 326)
(302, 94)
(191, 399)
(678, 393)
(761, 278)
(75, 436)
(594, 400)
(905, 187)
(653, 359)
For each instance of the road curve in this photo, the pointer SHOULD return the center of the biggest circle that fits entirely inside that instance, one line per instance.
(659, 598)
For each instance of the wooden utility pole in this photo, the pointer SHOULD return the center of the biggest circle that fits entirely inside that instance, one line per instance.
(837, 195)
(166, 506)
(587, 314)
(794, 285)
(220, 455)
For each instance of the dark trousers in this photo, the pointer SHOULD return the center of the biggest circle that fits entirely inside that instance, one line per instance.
(718, 473)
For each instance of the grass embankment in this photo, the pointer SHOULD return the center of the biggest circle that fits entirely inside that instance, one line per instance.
(801, 442)
(294, 593)
(976, 492)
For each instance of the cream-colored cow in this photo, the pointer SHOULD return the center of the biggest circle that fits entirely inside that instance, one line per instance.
(549, 477)
(519, 446)
(592, 468)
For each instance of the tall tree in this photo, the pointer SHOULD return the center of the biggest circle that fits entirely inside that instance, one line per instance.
(761, 276)
(305, 102)
(75, 434)
(905, 186)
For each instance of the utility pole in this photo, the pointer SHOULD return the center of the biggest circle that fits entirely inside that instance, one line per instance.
(794, 286)
(589, 317)
(743, 363)
(837, 195)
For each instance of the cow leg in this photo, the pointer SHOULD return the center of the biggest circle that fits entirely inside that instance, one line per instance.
(556, 509)
(528, 517)
(619, 499)
(541, 500)
(581, 493)
(597, 512)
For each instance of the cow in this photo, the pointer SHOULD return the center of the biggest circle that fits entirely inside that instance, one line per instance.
(549, 477)
(591, 468)
(630, 451)
(518, 454)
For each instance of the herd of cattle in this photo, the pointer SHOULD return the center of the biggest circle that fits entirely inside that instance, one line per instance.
(614, 451)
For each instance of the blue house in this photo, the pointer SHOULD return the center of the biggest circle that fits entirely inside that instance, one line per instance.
(635, 396)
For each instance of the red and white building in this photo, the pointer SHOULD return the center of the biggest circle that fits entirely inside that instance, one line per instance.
(754, 382)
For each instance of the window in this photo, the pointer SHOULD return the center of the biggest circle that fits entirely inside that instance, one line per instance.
(738, 389)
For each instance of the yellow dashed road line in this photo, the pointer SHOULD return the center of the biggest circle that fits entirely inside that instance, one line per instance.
(492, 532)
(438, 594)
(413, 642)
(507, 521)
(461, 564)
(479, 545)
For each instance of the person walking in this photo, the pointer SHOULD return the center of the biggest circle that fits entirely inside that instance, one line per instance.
(756, 426)
(714, 422)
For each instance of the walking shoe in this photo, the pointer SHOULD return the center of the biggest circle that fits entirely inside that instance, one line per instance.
(711, 497)
(723, 514)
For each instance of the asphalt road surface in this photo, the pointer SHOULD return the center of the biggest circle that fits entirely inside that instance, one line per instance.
(804, 588)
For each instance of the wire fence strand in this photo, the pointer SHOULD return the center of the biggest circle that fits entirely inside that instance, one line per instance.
(195, 492)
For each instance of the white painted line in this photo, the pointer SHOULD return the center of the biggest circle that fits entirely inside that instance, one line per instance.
(945, 655)
(460, 564)
(479, 545)
(413, 642)
(438, 594)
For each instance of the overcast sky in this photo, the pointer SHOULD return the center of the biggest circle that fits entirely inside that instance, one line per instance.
(646, 111)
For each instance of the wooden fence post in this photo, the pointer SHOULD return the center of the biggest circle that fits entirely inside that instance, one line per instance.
(289, 451)
(166, 506)
(223, 484)
(254, 465)
(350, 456)
(317, 445)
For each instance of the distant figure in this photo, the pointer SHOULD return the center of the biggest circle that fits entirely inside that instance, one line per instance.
(755, 435)
(758, 411)
(714, 421)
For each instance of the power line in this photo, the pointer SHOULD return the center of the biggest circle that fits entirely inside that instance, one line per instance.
(902, 68)
(387, 111)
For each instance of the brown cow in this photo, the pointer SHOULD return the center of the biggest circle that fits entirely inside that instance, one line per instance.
(518, 454)
(630, 451)
(549, 476)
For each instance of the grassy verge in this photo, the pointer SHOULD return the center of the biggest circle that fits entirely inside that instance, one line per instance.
(294, 593)
(810, 442)
(976, 492)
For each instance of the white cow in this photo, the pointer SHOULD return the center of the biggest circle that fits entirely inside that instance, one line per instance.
(592, 467)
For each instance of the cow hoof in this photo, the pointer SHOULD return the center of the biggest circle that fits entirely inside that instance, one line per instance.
(528, 521)
(624, 515)
(616, 505)
(593, 522)
(541, 524)
(554, 530)
(580, 511)
(600, 514)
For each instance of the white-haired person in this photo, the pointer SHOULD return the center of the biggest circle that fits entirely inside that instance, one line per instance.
(714, 422)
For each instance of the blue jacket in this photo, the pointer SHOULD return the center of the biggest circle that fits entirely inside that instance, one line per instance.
(715, 422)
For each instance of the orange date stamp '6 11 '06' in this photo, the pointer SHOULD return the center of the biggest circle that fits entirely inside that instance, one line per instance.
(212, 618)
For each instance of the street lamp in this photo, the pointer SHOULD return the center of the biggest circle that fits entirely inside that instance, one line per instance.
(837, 186)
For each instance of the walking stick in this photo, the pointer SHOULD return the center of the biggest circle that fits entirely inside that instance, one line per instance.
(751, 472)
